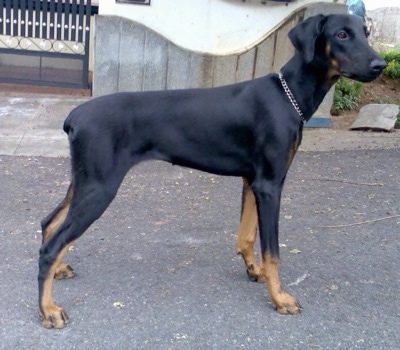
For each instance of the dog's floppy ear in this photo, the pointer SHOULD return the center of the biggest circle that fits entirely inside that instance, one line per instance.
(305, 34)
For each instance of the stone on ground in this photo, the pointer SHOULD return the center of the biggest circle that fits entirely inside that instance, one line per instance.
(378, 117)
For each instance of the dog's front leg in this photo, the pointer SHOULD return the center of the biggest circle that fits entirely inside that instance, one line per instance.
(268, 203)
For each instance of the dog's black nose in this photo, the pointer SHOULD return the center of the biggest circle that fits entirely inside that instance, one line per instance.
(378, 65)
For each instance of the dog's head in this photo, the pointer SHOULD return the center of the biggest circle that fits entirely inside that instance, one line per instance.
(339, 43)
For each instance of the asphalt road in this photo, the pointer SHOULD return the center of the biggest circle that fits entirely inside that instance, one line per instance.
(159, 269)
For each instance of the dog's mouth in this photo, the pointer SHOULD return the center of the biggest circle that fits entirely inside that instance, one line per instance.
(363, 78)
(376, 67)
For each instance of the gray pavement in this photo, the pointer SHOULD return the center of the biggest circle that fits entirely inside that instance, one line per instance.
(159, 270)
(31, 125)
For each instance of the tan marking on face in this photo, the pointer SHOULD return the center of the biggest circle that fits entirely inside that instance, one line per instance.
(334, 66)
(328, 50)
(334, 71)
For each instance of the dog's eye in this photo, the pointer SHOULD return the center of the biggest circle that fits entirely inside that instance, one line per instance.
(342, 35)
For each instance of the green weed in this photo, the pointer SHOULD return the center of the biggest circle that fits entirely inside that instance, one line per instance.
(392, 59)
(347, 95)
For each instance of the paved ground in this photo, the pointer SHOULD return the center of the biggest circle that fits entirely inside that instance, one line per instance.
(165, 248)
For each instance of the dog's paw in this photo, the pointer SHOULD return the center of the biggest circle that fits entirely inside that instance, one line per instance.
(64, 271)
(255, 277)
(54, 318)
(287, 305)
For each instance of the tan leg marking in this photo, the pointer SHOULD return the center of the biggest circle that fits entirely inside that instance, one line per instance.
(247, 233)
(284, 303)
(62, 271)
(58, 218)
(52, 315)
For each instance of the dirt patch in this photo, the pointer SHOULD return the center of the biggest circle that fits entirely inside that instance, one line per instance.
(382, 90)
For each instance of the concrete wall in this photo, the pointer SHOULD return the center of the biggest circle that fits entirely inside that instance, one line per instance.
(217, 27)
(386, 26)
(131, 57)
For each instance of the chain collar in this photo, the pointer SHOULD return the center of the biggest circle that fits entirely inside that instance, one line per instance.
(291, 97)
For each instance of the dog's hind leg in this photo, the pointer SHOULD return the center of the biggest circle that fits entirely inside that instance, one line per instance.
(247, 233)
(50, 225)
(90, 198)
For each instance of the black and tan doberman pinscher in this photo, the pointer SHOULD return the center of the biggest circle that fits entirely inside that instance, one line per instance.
(251, 129)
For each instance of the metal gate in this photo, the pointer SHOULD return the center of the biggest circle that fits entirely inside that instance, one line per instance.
(45, 42)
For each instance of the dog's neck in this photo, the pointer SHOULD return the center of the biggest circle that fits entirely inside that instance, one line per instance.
(309, 83)
(291, 97)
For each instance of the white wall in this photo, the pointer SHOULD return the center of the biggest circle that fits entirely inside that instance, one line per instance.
(374, 4)
(217, 27)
